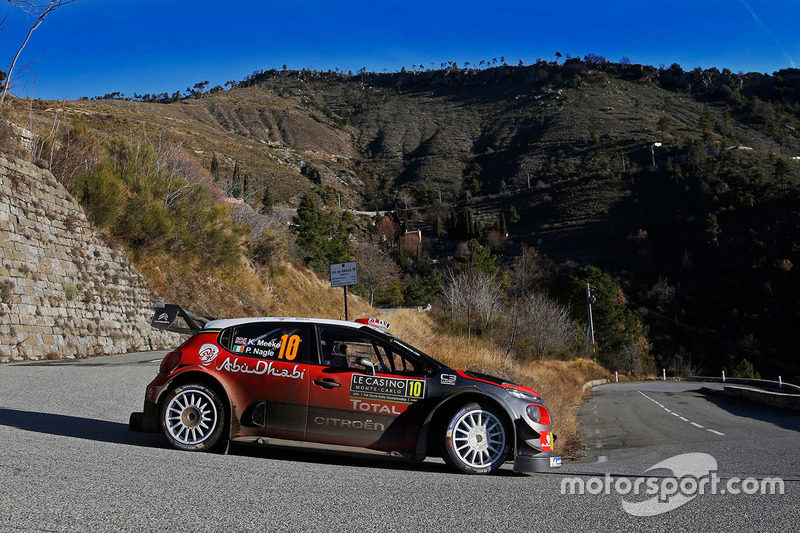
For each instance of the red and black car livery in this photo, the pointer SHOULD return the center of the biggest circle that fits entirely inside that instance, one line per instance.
(273, 380)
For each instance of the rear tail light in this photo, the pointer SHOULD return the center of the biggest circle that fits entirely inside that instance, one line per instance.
(170, 361)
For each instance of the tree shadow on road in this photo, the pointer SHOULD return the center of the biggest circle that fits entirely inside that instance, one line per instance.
(747, 409)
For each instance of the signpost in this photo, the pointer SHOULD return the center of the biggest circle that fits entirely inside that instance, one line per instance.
(344, 275)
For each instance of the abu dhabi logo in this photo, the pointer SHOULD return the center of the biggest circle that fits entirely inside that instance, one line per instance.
(693, 474)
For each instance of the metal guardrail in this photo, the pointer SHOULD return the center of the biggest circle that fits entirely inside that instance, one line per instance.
(778, 386)
(397, 308)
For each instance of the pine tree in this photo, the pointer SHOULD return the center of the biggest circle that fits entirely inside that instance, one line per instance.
(310, 230)
(267, 200)
(215, 167)
(321, 239)
(438, 228)
(712, 228)
(236, 182)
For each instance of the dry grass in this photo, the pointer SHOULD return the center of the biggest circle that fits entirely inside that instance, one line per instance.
(244, 291)
(559, 382)
(204, 290)
(303, 293)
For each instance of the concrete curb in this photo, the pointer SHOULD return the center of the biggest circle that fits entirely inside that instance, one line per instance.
(595, 383)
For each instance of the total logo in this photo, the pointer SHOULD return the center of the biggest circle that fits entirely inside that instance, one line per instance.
(375, 408)
(207, 353)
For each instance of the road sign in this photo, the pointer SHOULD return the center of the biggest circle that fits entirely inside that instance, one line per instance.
(344, 274)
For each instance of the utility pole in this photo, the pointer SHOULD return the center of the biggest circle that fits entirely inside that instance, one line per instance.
(653, 152)
(590, 299)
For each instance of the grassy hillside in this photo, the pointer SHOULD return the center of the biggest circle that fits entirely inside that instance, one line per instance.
(698, 229)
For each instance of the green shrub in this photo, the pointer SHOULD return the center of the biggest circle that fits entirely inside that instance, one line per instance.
(129, 195)
(6, 287)
(268, 250)
(71, 291)
(100, 191)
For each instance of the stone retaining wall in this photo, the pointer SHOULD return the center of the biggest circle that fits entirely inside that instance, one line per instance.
(64, 291)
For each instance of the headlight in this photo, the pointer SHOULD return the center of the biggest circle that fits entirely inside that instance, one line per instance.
(522, 395)
(538, 414)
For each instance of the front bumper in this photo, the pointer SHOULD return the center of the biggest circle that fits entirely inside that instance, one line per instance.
(541, 462)
(146, 421)
(529, 456)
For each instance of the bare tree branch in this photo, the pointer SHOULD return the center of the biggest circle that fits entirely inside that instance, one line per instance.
(375, 269)
(471, 291)
(546, 325)
(39, 11)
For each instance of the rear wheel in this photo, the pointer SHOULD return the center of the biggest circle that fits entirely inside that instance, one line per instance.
(192, 417)
(476, 439)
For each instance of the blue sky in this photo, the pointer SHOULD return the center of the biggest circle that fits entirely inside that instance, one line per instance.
(94, 47)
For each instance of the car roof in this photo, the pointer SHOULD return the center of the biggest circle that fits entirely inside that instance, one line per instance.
(215, 325)
(228, 322)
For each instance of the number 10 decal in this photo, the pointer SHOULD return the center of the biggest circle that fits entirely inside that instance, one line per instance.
(415, 388)
(289, 347)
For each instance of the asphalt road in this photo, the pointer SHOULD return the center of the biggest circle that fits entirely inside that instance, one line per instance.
(68, 463)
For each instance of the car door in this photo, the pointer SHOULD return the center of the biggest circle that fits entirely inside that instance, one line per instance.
(349, 405)
(269, 363)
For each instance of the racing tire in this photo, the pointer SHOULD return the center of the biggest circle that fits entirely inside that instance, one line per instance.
(476, 439)
(192, 417)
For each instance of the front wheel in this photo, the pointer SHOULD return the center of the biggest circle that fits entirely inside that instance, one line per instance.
(475, 440)
(192, 417)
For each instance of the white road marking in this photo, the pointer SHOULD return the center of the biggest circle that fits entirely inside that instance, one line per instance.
(695, 424)
(602, 459)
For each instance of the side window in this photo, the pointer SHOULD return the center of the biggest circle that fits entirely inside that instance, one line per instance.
(268, 340)
(402, 364)
(342, 346)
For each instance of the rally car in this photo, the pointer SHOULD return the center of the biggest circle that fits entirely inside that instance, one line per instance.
(333, 382)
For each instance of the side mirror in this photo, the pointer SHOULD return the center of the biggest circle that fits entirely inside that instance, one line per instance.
(367, 364)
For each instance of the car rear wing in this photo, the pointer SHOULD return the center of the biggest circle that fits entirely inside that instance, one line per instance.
(166, 315)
